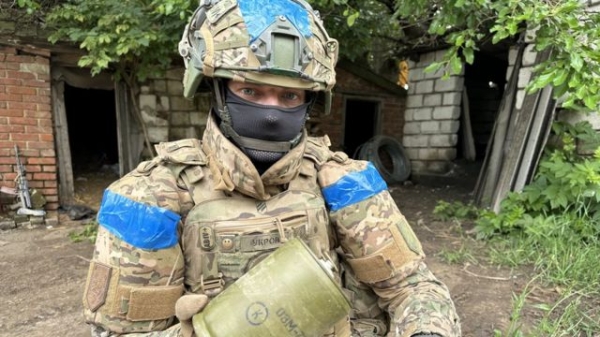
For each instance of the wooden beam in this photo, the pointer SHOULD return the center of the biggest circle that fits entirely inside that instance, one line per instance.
(66, 188)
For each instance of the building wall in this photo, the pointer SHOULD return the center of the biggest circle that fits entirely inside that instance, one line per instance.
(26, 121)
(167, 114)
(433, 111)
(392, 107)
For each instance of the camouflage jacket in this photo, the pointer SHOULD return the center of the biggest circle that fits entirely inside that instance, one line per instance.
(146, 249)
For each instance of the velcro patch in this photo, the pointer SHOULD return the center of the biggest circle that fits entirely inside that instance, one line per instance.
(97, 289)
(153, 303)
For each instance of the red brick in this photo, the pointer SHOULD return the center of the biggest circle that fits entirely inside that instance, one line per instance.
(44, 92)
(33, 168)
(9, 97)
(51, 183)
(51, 206)
(50, 197)
(20, 75)
(47, 137)
(10, 81)
(37, 184)
(22, 105)
(6, 168)
(4, 136)
(38, 129)
(44, 176)
(11, 113)
(20, 58)
(44, 107)
(8, 50)
(49, 191)
(45, 122)
(9, 176)
(21, 90)
(34, 137)
(35, 83)
(41, 115)
(12, 128)
(43, 161)
(7, 160)
(48, 168)
(12, 65)
(47, 153)
(40, 145)
(43, 77)
(22, 121)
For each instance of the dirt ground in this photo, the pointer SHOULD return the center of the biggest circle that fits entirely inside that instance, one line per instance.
(43, 272)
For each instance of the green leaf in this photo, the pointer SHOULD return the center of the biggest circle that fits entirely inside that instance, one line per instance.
(576, 61)
(560, 77)
(456, 64)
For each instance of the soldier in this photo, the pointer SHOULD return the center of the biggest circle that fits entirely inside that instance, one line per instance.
(182, 227)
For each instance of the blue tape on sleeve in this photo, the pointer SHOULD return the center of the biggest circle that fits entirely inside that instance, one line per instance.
(260, 14)
(140, 225)
(354, 187)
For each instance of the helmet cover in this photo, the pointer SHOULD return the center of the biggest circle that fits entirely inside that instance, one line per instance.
(274, 42)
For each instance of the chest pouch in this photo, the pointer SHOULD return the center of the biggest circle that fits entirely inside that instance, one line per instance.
(221, 246)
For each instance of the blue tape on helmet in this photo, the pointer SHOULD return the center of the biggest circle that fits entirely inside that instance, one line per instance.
(354, 187)
(260, 14)
(140, 225)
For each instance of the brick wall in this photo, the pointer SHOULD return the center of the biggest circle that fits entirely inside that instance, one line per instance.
(26, 121)
(392, 107)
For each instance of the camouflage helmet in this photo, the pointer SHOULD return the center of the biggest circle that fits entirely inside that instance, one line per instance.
(275, 42)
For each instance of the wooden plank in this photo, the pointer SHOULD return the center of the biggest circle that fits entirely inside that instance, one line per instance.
(522, 135)
(468, 142)
(126, 136)
(66, 187)
(515, 147)
(494, 157)
(537, 139)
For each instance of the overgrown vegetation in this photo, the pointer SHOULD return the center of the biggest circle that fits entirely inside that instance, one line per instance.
(89, 233)
(554, 225)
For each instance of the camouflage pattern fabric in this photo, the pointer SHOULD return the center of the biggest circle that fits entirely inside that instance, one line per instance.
(382, 258)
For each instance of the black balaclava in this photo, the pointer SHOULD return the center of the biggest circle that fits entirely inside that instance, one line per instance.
(264, 132)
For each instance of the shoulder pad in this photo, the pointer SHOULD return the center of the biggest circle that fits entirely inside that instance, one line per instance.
(317, 150)
(185, 151)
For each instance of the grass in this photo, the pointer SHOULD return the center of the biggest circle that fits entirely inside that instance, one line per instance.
(89, 232)
(564, 259)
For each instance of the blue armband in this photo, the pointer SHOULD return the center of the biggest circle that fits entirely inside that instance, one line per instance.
(354, 187)
(140, 225)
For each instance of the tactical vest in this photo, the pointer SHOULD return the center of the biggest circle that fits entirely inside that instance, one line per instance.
(225, 233)
(224, 236)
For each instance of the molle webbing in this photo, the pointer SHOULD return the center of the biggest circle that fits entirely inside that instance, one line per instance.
(389, 260)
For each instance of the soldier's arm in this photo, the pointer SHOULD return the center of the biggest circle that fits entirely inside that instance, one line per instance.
(136, 273)
(384, 252)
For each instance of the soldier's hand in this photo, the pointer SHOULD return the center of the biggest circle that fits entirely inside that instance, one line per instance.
(185, 308)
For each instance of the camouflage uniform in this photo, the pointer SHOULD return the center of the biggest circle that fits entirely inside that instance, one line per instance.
(126, 281)
(199, 215)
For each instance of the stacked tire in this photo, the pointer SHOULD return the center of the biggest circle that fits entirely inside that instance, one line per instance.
(388, 156)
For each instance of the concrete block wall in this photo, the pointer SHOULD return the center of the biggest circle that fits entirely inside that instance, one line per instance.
(167, 114)
(432, 116)
(26, 121)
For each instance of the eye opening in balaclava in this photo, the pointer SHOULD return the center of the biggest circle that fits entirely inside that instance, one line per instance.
(265, 133)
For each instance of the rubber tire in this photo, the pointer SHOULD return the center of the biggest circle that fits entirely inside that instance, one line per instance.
(401, 164)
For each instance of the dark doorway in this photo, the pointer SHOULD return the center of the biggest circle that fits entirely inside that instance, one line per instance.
(361, 119)
(484, 81)
(92, 123)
